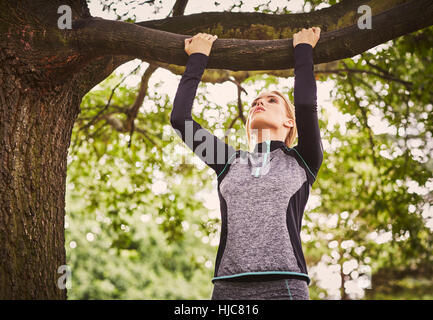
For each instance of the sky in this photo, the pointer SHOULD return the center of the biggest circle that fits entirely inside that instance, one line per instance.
(223, 94)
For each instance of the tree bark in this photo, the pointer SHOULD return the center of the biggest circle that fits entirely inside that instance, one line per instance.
(242, 54)
(36, 127)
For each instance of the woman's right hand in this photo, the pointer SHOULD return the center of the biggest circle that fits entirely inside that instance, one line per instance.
(310, 36)
(201, 42)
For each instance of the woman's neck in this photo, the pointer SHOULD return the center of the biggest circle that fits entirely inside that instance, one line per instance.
(263, 135)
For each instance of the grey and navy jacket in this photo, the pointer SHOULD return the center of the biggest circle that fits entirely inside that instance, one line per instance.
(262, 193)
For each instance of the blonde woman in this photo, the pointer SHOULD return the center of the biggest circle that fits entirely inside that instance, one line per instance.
(263, 191)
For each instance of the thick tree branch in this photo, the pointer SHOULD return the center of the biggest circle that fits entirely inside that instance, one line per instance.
(97, 71)
(265, 26)
(249, 23)
(91, 38)
(94, 37)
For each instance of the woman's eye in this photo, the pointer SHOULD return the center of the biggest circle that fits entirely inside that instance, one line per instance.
(271, 99)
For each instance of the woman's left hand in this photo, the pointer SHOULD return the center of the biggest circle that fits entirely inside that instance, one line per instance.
(310, 35)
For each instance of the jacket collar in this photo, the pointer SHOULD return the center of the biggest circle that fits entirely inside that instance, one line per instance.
(262, 146)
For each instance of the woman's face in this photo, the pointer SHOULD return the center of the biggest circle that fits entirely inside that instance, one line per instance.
(268, 110)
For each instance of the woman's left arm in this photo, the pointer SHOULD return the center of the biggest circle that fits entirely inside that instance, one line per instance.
(305, 97)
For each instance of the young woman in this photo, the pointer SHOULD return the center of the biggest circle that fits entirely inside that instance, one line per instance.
(262, 193)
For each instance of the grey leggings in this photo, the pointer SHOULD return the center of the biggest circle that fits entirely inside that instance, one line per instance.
(282, 289)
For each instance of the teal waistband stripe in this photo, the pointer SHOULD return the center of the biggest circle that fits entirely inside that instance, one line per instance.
(263, 272)
(302, 160)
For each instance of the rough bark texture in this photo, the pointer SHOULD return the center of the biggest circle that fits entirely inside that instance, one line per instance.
(36, 121)
(93, 37)
(45, 72)
(36, 126)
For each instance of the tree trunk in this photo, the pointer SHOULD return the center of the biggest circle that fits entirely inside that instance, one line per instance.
(37, 115)
(36, 127)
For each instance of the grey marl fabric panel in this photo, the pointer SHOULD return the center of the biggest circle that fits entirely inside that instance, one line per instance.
(283, 289)
(257, 235)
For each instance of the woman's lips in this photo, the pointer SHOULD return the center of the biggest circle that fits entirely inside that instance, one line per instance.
(259, 109)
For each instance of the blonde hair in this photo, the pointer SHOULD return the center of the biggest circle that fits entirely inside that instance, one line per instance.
(291, 136)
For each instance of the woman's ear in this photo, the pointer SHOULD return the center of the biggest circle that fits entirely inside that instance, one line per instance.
(288, 123)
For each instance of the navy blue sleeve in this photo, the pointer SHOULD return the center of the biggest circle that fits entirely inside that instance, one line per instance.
(305, 95)
(212, 150)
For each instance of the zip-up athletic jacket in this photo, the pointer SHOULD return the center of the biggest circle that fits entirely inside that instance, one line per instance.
(262, 193)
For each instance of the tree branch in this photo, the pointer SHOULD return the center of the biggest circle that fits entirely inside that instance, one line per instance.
(98, 36)
(364, 117)
(387, 76)
(91, 38)
(133, 110)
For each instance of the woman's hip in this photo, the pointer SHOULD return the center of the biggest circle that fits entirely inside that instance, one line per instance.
(281, 289)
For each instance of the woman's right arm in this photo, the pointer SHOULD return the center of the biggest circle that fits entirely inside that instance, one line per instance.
(213, 151)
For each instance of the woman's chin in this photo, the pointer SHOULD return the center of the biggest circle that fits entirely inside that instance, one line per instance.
(260, 123)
